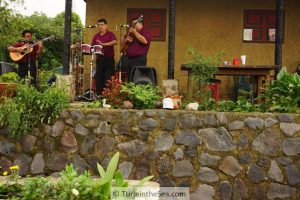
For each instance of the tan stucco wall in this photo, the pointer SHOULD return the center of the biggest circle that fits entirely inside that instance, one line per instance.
(207, 25)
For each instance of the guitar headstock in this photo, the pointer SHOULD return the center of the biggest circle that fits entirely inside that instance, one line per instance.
(51, 37)
(137, 20)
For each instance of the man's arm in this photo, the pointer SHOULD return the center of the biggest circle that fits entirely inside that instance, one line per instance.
(111, 43)
(40, 49)
(14, 49)
(140, 37)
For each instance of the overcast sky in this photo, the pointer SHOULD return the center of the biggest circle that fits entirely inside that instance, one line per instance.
(51, 7)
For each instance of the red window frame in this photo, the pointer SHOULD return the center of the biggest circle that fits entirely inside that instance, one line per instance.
(260, 21)
(153, 19)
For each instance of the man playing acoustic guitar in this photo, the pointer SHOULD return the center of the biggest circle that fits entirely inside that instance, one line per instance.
(28, 56)
(136, 45)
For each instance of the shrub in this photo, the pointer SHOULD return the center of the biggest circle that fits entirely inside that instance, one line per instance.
(283, 94)
(38, 188)
(203, 69)
(142, 96)
(112, 92)
(44, 76)
(242, 105)
(10, 77)
(73, 186)
(29, 108)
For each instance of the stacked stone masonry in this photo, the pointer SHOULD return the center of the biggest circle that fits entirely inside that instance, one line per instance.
(218, 155)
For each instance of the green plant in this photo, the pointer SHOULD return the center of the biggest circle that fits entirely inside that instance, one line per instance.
(283, 94)
(38, 188)
(142, 96)
(94, 104)
(70, 181)
(10, 191)
(240, 106)
(203, 69)
(106, 177)
(71, 185)
(30, 108)
(51, 102)
(207, 104)
(119, 183)
(244, 95)
(10, 77)
(44, 76)
(106, 180)
(226, 106)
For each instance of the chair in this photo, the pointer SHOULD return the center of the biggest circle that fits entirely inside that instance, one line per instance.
(143, 75)
(214, 87)
(242, 83)
(6, 67)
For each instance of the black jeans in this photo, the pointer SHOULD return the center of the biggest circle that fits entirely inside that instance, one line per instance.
(105, 68)
(134, 62)
(23, 68)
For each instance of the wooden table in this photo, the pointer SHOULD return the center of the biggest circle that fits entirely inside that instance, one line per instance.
(264, 74)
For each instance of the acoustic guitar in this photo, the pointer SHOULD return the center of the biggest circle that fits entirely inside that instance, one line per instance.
(26, 49)
(125, 45)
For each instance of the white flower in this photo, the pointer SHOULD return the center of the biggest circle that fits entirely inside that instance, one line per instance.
(75, 192)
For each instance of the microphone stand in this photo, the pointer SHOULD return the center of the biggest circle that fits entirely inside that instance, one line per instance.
(121, 54)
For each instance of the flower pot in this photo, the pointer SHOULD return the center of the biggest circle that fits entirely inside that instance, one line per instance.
(172, 102)
(8, 89)
(176, 101)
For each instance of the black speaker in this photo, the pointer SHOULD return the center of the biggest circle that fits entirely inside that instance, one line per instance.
(7, 67)
(143, 75)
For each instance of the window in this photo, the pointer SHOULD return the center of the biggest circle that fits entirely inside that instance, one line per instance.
(259, 26)
(153, 19)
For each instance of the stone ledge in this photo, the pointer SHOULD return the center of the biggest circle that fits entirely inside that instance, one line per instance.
(182, 148)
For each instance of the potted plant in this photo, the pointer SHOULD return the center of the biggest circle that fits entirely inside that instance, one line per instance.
(8, 84)
(203, 69)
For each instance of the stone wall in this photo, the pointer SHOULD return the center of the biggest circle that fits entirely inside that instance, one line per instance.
(218, 155)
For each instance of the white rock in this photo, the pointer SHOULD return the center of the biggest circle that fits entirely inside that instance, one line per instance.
(192, 106)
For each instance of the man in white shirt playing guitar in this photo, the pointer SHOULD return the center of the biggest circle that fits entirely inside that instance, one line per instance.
(25, 53)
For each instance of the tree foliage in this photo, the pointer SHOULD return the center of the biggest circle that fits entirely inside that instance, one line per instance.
(7, 27)
(12, 24)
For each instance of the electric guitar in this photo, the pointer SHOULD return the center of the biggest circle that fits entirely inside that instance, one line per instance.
(26, 49)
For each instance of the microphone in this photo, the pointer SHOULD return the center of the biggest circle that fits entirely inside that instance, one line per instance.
(92, 26)
(124, 25)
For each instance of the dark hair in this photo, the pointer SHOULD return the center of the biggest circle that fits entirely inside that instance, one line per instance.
(102, 20)
(26, 31)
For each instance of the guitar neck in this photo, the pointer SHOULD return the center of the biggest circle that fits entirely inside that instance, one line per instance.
(34, 44)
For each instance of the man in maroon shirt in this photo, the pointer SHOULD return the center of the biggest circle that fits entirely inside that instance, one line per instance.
(28, 62)
(138, 49)
(105, 64)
